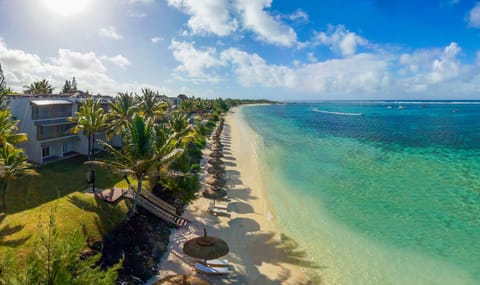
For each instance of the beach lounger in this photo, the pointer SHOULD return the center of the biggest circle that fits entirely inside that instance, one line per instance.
(215, 263)
(211, 270)
(217, 211)
(219, 206)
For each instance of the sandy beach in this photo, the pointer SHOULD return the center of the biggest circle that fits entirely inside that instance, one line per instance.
(257, 254)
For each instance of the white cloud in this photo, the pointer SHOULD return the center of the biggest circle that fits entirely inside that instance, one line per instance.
(110, 32)
(207, 16)
(251, 69)
(157, 39)
(474, 16)
(340, 40)
(21, 68)
(267, 29)
(136, 14)
(141, 1)
(224, 17)
(194, 61)
(433, 72)
(447, 66)
(311, 57)
(299, 15)
(118, 60)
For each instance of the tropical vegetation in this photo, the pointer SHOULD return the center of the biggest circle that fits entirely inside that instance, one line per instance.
(160, 152)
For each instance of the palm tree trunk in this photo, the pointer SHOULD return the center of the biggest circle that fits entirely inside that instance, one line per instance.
(92, 157)
(131, 212)
(4, 191)
(89, 146)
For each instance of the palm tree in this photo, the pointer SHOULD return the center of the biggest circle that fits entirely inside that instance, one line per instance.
(152, 106)
(140, 155)
(13, 164)
(90, 119)
(39, 87)
(121, 112)
(8, 130)
(181, 127)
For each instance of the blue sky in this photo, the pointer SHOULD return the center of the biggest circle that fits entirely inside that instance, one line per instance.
(285, 50)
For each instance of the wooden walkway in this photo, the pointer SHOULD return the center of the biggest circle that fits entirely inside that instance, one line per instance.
(149, 202)
(113, 194)
(161, 212)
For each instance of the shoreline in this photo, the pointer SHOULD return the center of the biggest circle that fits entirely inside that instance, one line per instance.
(258, 254)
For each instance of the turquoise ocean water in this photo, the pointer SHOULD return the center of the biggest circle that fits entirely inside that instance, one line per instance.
(374, 193)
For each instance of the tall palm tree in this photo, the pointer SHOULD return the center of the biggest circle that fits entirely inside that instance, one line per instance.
(13, 164)
(121, 112)
(139, 156)
(152, 106)
(39, 87)
(90, 119)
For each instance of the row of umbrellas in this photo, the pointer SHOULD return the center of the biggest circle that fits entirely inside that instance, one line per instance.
(206, 247)
(217, 181)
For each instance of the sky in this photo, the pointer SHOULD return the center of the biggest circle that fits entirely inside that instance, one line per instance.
(273, 49)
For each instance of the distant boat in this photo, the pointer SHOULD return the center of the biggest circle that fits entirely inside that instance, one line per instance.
(454, 110)
(389, 107)
(422, 105)
(401, 107)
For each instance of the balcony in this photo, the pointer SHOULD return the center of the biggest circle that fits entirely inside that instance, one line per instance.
(51, 109)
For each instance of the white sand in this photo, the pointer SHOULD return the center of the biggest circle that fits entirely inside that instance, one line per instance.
(256, 253)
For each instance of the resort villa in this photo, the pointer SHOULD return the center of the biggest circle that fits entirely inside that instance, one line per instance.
(43, 117)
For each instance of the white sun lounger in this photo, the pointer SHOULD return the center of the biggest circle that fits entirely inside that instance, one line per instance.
(217, 263)
(219, 206)
(211, 270)
(217, 211)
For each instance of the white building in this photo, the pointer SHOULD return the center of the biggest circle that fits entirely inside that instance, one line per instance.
(44, 119)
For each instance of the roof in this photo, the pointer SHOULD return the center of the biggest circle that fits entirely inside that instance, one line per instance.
(50, 102)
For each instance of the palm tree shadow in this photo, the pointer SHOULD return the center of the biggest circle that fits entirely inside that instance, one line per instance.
(103, 210)
(7, 230)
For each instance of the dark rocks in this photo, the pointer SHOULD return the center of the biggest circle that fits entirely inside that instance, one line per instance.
(142, 241)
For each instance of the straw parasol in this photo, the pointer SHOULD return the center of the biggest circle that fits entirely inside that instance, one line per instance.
(206, 247)
(219, 182)
(217, 194)
(215, 161)
(213, 194)
(182, 280)
(216, 155)
(217, 170)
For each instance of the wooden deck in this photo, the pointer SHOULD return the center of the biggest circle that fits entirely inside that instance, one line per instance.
(113, 194)
(148, 201)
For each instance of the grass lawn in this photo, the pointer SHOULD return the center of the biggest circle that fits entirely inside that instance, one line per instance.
(60, 185)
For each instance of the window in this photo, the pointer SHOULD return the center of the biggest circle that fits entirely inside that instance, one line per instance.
(46, 151)
(51, 111)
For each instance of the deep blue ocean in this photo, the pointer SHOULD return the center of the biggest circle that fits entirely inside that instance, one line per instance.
(376, 192)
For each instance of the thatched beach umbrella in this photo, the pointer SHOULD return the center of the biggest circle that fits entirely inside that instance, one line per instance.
(217, 194)
(217, 144)
(219, 182)
(206, 247)
(216, 155)
(182, 280)
(215, 161)
(216, 170)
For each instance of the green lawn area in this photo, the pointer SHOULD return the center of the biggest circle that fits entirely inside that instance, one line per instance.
(60, 185)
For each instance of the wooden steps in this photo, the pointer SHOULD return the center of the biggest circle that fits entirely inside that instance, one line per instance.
(160, 210)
